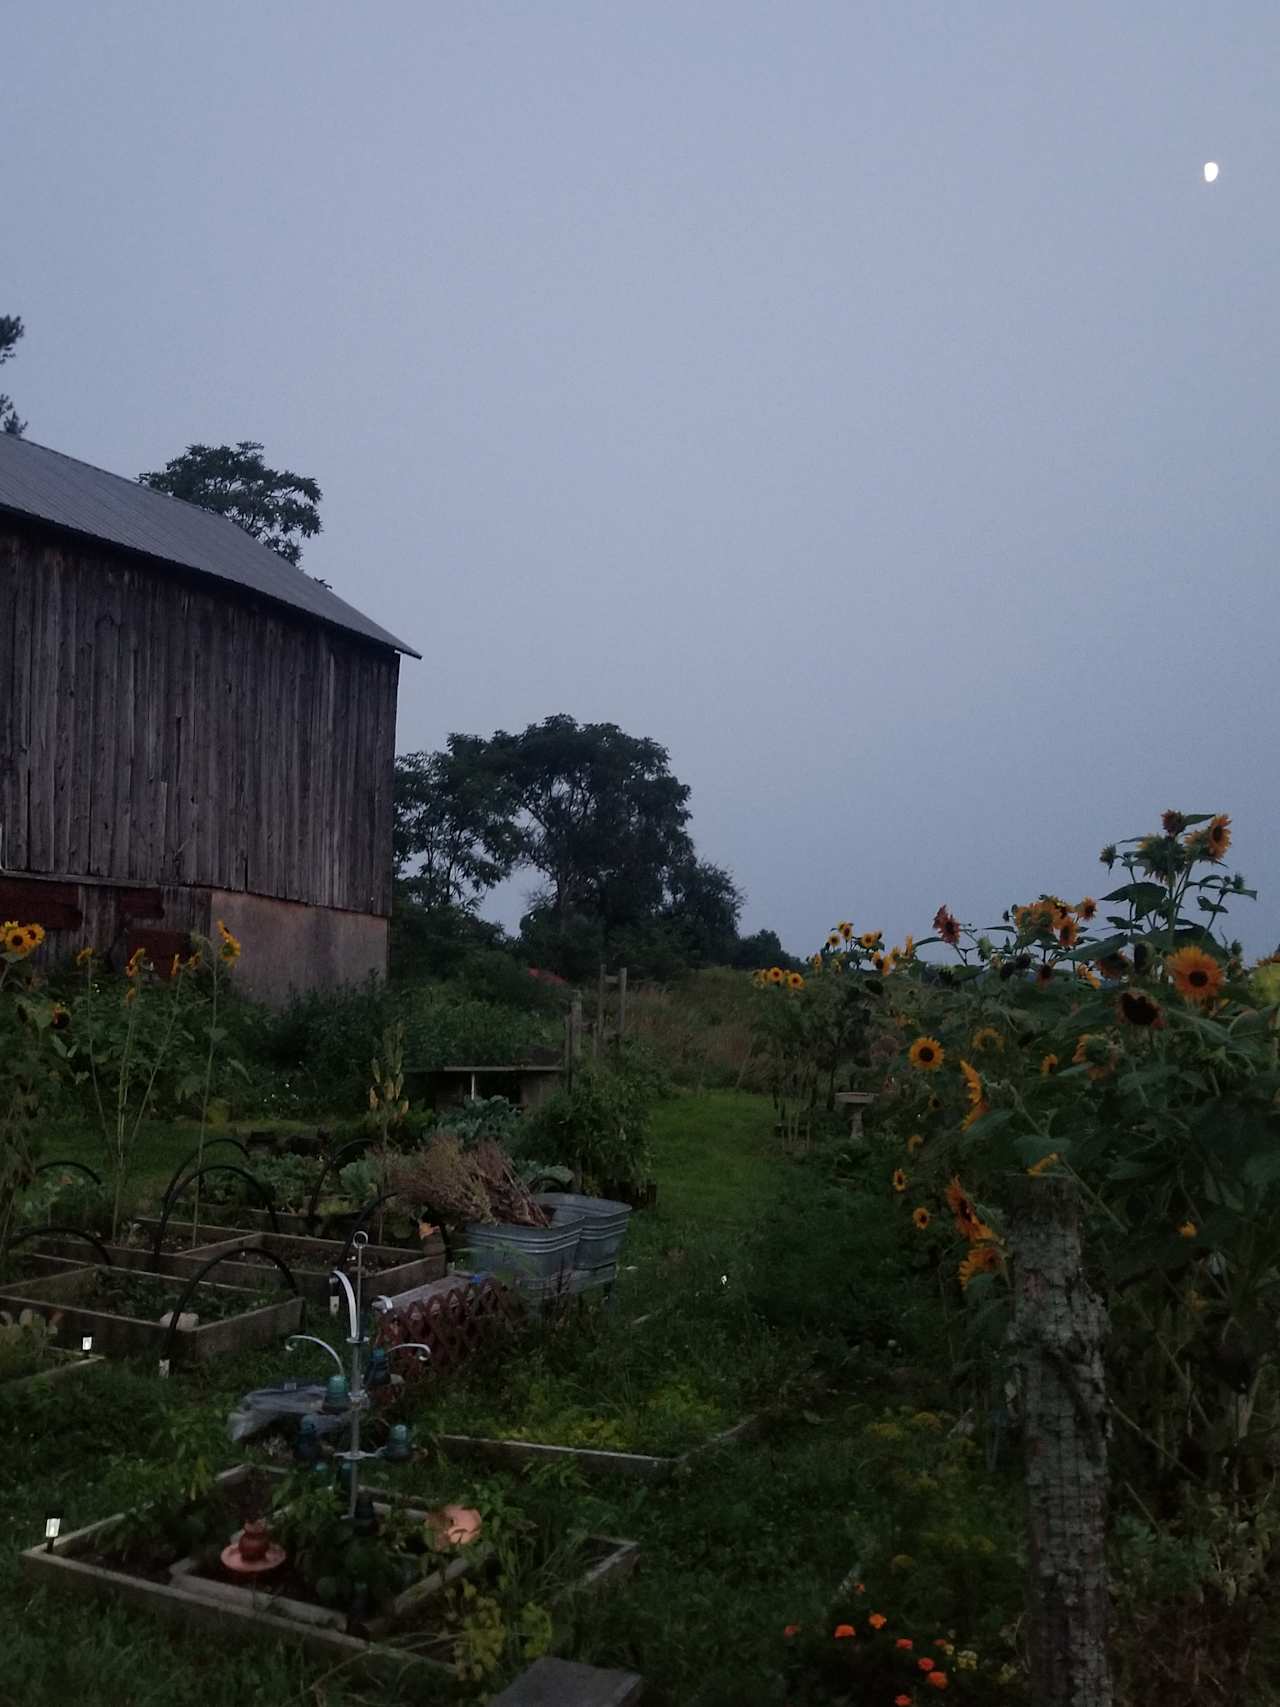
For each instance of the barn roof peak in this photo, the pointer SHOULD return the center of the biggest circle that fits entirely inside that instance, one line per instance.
(47, 485)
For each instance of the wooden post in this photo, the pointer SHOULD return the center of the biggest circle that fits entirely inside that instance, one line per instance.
(572, 1040)
(622, 1005)
(598, 1040)
(1058, 1330)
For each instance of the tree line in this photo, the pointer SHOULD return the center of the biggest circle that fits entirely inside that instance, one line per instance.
(599, 822)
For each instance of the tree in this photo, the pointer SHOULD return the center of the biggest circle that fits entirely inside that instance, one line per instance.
(455, 834)
(599, 815)
(275, 505)
(763, 949)
(11, 329)
(701, 910)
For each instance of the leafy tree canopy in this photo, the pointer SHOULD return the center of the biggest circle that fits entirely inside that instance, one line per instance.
(455, 834)
(275, 505)
(11, 329)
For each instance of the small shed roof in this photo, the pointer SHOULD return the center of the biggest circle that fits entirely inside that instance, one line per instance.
(47, 486)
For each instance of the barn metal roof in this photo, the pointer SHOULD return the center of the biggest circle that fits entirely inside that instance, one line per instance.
(50, 487)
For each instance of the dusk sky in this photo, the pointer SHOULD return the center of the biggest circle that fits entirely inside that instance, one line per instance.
(872, 403)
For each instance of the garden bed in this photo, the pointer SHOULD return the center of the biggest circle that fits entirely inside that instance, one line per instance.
(59, 1364)
(103, 1561)
(122, 1310)
(254, 1223)
(387, 1268)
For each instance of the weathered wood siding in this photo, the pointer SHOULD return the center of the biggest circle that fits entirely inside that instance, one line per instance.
(157, 729)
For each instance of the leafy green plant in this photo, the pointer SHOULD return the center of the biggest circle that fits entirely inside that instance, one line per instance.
(24, 1344)
(598, 1127)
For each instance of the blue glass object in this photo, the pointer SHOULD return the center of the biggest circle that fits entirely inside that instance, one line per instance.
(336, 1396)
(398, 1450)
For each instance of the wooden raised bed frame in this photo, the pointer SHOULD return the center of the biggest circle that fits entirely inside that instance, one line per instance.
(132, 1336)
(648, 1466)
(428, 1253)
(58, 1565)
(311, 1261)
(67, 1366)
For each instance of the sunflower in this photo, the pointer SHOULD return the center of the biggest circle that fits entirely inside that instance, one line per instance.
(914, 1143)
(59, 1018)
(229, 949)
(34, 935)
(15, 940)
(987, 1037)
(926, 1054)
(1048, 1064)
(1113, 966)
(85, 956)
(1043, 1165)
(774, 975)
(1187, 1230)
(985, 1259)
(921, 1217)
(1088, 976)
(900, 1180)
(1213, 841)
(137, 960)
(1196, 975)
(972, 1083)
(833, 941)
(794, 981)
(947, 925)
(845, 929)
(967, 1219)
(1086, 909)
(934, 1104)
(879, 962)
(908, 949)
(1093, 1051)
(193, 961)
(1136, 1009)
(870, 939)
(815, 961)
(1173, 822)
(975, 1114)
(1068, 932)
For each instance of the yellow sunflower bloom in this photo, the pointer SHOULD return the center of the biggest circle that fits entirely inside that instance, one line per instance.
(914, 1143)
(921, 1217)
(1213, 840)
(987, 1037)
(845, 929)
(775, 975)
(1195, 974)
(794, 981)
(926, 1054)
(871, 939)
(85, 956)
(833, 941)
(1049, 1064)
(972, 1083)
(900, 1180)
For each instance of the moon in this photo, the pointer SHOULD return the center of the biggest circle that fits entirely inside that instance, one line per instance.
(1210, 171)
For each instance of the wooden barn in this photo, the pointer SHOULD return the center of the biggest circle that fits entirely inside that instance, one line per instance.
(191, 729)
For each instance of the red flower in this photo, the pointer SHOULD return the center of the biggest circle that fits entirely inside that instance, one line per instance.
(877, 1620)
(905, 1643)
(938, 1679)
(902, 1701)
(925, 1664)
(791, 1630)
(843, 1631)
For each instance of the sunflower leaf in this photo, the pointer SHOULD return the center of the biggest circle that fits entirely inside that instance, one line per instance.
(1142, 897)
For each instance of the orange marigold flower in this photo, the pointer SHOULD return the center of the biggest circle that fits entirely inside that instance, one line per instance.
(844, 1631)
(926, 1054)
(1195, 974)
(877, 1620)
(921, 1217)
(900, 1180)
